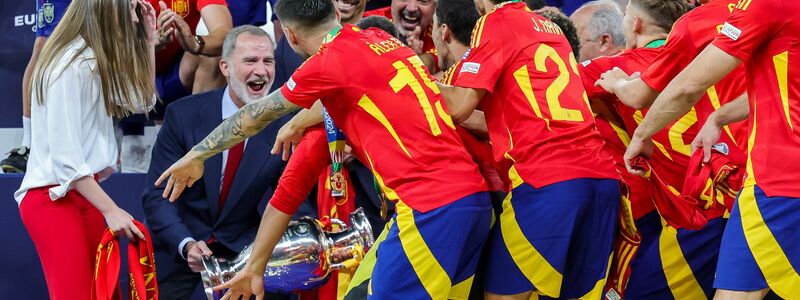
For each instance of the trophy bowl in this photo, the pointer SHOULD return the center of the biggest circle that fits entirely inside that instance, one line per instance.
(302, 260)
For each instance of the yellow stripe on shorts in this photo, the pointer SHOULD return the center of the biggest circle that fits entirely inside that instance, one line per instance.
(460, 291)
(597, 290)
(530, 262)
(680, 279)
(778, 271)
(430, 273)
(364, 271)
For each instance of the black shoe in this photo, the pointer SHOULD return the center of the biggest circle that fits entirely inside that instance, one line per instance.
(16, 161)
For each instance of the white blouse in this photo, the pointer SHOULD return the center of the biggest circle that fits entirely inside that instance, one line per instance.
(72, 135)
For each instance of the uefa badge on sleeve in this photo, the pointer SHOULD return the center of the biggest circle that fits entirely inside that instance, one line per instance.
(48, 12)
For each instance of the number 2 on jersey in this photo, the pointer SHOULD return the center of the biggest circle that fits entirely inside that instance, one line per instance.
(554, 90)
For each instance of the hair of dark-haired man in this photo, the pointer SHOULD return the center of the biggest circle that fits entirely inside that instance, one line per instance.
(460, 16)
(379, 22)
(535, 4)
(663, 12)
(567, 28)
(307, 14)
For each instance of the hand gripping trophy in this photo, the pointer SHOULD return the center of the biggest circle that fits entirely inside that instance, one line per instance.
(302, 260)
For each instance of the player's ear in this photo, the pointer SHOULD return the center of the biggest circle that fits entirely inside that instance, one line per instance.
(447, 35)
(338, 16)
(637, 25)
(291, 37)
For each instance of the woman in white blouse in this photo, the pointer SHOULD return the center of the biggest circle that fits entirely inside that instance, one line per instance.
(98, 64)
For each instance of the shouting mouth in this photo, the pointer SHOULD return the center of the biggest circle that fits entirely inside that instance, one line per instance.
(346, 6)
(256, 86)
(410, 20)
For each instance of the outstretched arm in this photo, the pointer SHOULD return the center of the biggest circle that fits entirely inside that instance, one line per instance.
(679, 97)
(248, 121)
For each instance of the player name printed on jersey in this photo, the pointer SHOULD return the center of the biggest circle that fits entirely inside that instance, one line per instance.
(546, 26)
(386, 46)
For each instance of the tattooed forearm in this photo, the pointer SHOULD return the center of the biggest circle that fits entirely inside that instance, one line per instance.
(246, 122)
(272, 103)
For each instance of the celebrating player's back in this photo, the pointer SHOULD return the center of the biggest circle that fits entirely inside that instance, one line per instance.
(690, 35)
(556, 228)
(760, 245)
(378, 93)
(527, 68)
(392, 113)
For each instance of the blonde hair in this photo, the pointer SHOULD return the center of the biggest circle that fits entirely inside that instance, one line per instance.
(120, 47)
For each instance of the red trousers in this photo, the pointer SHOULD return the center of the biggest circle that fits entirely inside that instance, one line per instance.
(66, 233)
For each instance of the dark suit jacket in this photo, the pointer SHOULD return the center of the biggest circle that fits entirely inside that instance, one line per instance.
(196, 213)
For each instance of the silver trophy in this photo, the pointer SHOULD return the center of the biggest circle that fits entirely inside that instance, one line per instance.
(302, 260)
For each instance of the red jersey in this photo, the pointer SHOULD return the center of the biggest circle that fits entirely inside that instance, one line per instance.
(189, 10)
(616, 140)
(479, 149)
(672, 152)
(689, 36)
(393, 116)
(536, 108)
(765, 35)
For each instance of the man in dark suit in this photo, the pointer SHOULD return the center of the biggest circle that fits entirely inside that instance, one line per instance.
(218, 215)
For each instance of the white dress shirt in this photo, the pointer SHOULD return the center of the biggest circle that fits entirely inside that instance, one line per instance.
(72, 135)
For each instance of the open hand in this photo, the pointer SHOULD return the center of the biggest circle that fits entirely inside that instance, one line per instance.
(182, 174)
(243, 285)
(287, 138)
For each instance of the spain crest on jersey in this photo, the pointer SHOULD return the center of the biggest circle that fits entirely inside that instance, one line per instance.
(181, 7)
(48, 12)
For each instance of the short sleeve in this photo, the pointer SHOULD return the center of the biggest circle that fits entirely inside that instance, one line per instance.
(749, 26)
(486, 60)
(678, 53)
(315, 79)
(203, 3)
(590, 71)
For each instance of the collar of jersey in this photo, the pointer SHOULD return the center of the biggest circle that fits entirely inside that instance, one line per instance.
(332, 34)
(505, 3)
(656, 43)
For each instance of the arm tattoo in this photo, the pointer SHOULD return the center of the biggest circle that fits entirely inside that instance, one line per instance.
(246, 122)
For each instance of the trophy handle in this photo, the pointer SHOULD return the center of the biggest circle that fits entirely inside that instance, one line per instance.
(341, 223)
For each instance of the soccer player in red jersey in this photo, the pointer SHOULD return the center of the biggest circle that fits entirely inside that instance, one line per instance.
(760, 248)
(690, 35)
(671, 264)
(556, 229)
(396, 121)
